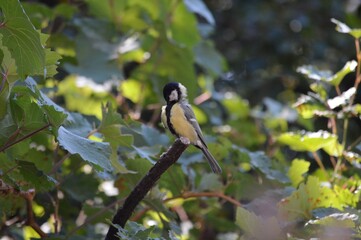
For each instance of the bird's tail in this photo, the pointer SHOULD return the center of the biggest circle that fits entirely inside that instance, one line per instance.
(212, 162)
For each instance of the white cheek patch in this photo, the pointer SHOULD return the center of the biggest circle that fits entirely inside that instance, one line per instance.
(173, 96)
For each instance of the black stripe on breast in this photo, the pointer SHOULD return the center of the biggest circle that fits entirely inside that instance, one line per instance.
(168, 110)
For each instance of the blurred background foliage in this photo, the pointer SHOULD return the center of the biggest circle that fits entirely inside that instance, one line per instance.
(80, 124)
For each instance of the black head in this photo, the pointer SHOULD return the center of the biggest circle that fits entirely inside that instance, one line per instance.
(174, 92)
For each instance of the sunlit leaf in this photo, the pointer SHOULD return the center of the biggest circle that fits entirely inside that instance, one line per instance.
(308, 196)
(339, 220)
(343, 28)
(326, 75)
(297, 170)
(343, 99)
(308, 141)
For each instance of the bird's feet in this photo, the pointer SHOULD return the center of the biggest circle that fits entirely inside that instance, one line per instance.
(185, 140)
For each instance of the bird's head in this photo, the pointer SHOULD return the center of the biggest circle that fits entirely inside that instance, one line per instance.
(174, 92)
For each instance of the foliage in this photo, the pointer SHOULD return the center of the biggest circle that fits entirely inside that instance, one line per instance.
(81, 92)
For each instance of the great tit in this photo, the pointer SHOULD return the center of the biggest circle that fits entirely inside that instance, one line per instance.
(179, 118)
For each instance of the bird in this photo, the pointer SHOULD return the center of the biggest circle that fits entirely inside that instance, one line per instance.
(178, 117)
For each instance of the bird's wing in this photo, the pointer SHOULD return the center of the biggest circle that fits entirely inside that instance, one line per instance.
(163, 117)
(188, 112)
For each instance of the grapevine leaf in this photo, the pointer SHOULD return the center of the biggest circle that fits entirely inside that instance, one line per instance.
(96, 153)
(21, 39)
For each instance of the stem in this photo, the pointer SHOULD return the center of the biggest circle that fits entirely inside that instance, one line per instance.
(207, 194)
(319, 162)
(6, 146)
(141, 189)
(187, 195)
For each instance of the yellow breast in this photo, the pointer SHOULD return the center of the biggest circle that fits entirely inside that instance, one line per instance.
(181, 125)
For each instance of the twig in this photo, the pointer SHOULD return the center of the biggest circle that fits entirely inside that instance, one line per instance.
(187, 195)
(141, 189)
(6, 146)
(208, 194)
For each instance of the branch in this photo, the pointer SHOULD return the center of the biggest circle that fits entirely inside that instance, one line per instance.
(141, 189)
(29, 196)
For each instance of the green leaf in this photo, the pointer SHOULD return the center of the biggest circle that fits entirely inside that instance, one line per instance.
(36, 178)
(309, 141)
(85, 188)
(183, 27)
(262, 162)
(256, 227)
(327, 76)
(297, 170)
(209, 58)
(92, 41)
(307, 197)
(110, 127)
(309, 106)
(96, 153)
(21, 39)
(343, 28)
(210, 182)
(55, 114)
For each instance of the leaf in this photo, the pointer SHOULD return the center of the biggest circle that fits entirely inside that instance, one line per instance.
(184, 27)
(55, 114)
(309, 141)
(343, 28)
(343, 99)
(309, 106)
(92, 41)
(339, 220)
(327, 76)
(85, 188)
(209, 58)
(256, 227)
(307, 197)
(110, 127)
(96, 153)
(262, 162)
(36, 178)
(210, 182)
(21, 39)
(78, 124)
(298, 168)
(198, 6)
